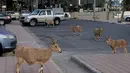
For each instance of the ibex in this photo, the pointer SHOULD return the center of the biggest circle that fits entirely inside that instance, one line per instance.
(50, 23)
(97, 33)
(31, 55)
(76, 28)
(114, 44)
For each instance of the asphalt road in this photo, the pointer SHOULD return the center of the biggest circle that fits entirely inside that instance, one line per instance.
(85, 43)
(74, 45)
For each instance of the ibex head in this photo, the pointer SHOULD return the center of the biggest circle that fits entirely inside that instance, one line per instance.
(54, 46)
(101, 29)
(108, 39)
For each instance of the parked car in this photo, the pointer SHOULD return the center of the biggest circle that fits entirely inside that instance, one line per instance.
(126, 15)
(40, 15)
(8, 40)
(67, 15)
(17, 15)
(4, 18)
(12, 14)
(25, 12)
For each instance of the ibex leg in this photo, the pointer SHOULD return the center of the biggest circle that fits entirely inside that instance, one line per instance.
(41, 69)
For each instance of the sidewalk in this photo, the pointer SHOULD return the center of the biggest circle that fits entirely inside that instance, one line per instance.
(101, 15)
(24, 38)
(104, 63)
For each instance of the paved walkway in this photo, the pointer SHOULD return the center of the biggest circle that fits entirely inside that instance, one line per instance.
(7, 64)
(104, 63)
(101, 17)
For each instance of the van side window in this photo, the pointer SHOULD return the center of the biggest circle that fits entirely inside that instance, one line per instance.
(43, 13)
(48, 12)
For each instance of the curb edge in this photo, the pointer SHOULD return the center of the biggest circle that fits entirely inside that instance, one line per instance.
(84, 65)
(57, 67)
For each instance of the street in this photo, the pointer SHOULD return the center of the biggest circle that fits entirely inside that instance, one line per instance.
(77, 44)
(80, 45)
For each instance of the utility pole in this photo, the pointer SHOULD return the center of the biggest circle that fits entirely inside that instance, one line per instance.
(107, 8)
(17, 5)
(94, 5)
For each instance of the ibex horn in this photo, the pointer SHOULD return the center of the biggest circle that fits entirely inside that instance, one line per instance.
(51, 38)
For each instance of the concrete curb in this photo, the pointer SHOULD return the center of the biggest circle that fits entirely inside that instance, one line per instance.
(83, 64)
(123, 23)
(39, 46)
(56, 66)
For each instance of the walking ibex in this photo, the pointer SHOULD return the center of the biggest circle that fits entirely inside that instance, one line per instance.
(76, 28)
(50, 23)
(31, 55)
(114, 44)
(97, 33)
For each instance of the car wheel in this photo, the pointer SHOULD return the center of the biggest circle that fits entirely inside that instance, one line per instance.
(57, 21)
(1, 50)
(33, 22)
(2, 22)
(128, 19)
(66, 15)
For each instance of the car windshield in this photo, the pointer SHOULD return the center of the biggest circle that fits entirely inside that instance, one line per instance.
(35, 12)
(3, 14)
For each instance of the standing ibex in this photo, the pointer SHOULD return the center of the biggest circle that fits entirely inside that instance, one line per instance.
(97, 33)
(31, 55)
(120, 43)
(76, 28)
(50, 23)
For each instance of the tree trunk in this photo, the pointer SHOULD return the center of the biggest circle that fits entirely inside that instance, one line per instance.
(122, 15)
(107, 14)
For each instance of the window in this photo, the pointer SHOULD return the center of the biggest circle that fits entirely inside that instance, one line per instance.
(1, 14)
(43, 13)
(10, 12)
(59, 13)
(48, 12)
(25, 11)
(35, 12)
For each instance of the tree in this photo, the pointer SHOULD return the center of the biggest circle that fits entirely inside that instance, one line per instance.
(109, 6)
(125, 6)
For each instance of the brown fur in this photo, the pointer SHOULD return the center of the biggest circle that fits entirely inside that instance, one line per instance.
(50, 22)
(114, 44)
(76, 28)
(32, 55)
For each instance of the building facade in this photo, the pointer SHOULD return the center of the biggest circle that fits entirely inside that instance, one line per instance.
(40, 4)
(2, 3)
